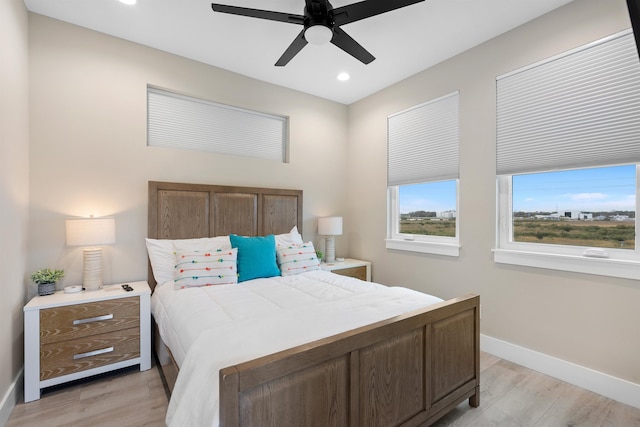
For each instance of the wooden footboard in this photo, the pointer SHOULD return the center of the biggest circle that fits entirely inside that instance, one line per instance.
(406, 371)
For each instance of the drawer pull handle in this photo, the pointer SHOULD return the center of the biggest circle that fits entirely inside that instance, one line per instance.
(93, 319)
(92, 353)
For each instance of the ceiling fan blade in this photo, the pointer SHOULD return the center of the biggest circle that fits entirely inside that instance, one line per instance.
(365, 9)
(296, 46)
(349, 45)
(258, 13)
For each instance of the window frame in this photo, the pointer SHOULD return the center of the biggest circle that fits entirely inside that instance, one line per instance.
(622, 263)
(436, 122)
(422, 243)
(537, 131)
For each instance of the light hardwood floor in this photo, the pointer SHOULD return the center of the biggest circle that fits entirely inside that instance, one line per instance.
(124, 398)
(510, 396)
(514, 396)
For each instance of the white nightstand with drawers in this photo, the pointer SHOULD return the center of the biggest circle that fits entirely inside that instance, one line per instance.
(350, 267)
(77, 335)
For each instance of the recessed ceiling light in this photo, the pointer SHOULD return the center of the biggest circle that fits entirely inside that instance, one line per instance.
(129, 2)
(343, 77)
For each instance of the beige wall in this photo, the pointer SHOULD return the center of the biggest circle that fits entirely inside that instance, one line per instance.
(14, 185)
(89, 153)
(588, 320)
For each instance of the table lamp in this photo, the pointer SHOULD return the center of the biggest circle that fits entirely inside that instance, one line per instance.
(330, 226)
(91, 232)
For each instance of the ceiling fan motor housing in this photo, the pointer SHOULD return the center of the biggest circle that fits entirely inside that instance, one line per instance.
(318, 18)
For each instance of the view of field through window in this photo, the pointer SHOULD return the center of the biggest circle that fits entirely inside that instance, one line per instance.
(593, 207)
(428, 208)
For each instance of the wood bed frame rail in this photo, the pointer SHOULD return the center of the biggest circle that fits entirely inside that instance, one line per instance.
(406, 371)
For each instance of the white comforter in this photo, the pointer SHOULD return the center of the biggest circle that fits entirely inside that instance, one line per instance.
(210, 328)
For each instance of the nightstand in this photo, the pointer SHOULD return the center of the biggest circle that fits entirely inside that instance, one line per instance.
(350, 267)
(73, 336)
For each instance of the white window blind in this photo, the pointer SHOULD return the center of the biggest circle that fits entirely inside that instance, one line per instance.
(579, 109)
(178, 121)
(423, 142)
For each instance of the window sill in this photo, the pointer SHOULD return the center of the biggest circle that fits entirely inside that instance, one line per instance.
(447, 249)
(578, 264)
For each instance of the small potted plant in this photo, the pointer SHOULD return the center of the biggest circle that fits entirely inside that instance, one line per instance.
(46, 280)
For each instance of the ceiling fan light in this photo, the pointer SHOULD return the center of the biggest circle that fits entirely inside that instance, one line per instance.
(318, 34)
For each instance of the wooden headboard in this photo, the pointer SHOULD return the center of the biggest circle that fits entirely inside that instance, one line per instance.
(186, 211)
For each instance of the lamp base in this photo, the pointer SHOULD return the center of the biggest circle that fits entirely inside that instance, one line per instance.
(92, 272)
(330, 250)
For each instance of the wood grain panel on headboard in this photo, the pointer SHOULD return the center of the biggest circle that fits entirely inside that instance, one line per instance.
(186, 211)
(176, 204)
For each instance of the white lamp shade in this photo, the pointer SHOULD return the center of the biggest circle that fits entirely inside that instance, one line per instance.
(330, 226)
(318, 34)
(91, 231)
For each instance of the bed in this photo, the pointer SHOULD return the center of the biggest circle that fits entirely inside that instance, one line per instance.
(405, 366)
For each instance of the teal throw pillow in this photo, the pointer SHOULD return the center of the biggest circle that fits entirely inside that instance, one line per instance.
(256, 256)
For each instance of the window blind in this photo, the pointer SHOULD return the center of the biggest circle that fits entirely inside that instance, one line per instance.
(423, 142)
(579, 109)
(179, 121)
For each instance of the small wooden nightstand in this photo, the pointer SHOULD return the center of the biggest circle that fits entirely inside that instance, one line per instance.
(73, 336)
(350, 267)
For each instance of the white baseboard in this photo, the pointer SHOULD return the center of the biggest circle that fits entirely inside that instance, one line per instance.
(609, 386)
(11, 397)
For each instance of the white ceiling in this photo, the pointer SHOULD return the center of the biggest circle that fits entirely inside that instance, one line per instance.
(404, 41)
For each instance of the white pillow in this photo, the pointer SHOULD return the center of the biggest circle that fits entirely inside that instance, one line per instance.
(291, 238)
(205, 268)
(296, 259)
(162, 253)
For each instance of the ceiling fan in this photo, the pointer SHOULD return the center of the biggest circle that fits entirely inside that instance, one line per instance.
(321, 23)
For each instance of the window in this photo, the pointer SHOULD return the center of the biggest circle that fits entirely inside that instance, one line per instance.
(423, 178)
(179, 121)
(568, 155)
